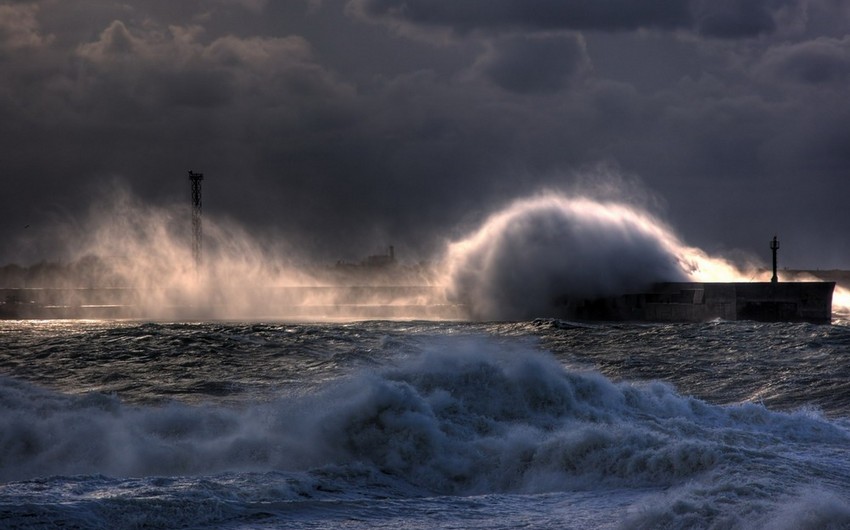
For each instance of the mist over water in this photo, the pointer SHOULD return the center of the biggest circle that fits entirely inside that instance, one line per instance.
(148, 250)
(523, 260)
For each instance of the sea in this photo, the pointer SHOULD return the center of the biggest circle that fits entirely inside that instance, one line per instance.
(416, 424)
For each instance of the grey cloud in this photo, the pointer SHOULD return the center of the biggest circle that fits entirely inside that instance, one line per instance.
(136, 99)
(115, 41)
(256, 6)
(19, 27)
(534, 63)
(713, 18)
(734, 18)
(155, 68)
(535, 14)
(341, 139)
(820, 61)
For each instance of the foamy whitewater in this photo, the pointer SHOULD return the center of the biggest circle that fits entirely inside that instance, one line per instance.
(541, 423)
(527, 423)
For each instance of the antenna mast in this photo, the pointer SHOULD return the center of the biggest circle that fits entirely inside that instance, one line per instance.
(195, 179)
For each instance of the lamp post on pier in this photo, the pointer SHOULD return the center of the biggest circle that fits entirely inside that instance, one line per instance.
(774, 246)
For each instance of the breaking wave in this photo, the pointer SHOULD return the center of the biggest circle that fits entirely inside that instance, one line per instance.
(544, 251)
(537, 250)
(468, 417)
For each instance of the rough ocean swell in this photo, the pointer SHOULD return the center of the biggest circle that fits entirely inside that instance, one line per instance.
(420, 425)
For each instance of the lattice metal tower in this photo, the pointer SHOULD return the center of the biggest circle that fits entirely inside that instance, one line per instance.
(195, 179)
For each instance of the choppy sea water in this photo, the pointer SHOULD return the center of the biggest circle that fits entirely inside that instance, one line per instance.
(538, 424)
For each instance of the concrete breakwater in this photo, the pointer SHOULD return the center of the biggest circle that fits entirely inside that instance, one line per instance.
(696, 302)
(663, 302)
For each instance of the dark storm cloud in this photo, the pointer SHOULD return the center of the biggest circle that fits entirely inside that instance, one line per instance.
(19, 27)
(714, 18)
(344, 136)
(534, 64)
(819, 61)
(536, 14)
(735, 18)
(146, 101)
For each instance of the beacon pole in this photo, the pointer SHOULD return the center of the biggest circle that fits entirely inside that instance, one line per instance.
(774, 246)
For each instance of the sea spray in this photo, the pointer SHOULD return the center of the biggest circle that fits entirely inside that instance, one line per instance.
(539, 254)
(527, 260)
(139, 257)
(466, 416)
(535, 251)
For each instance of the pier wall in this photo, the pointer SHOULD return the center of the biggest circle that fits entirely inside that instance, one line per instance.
(695, 302)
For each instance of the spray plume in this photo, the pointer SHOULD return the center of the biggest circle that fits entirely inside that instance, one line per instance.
(551, 249)
(537, 249)
(534, 253)
(146, 253)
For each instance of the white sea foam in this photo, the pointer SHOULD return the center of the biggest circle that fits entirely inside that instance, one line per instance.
(467, 417)
(812, 509)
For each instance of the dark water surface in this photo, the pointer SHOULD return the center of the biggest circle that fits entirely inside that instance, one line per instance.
(424, 424)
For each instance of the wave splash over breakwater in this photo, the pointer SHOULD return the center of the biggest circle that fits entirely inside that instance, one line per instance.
(540, 252)
(524, 261)
(537, 249)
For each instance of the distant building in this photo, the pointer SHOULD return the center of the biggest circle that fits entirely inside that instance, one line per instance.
(381, 260)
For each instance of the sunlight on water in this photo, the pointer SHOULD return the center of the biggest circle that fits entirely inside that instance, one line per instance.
(841, 301)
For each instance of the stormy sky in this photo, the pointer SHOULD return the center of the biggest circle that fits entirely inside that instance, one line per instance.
(346, 126)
